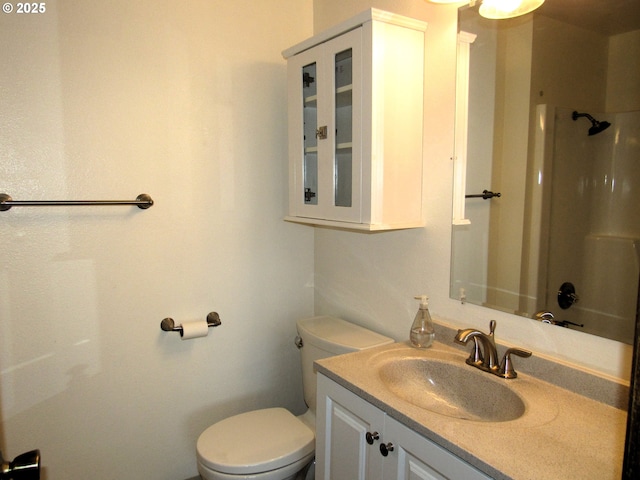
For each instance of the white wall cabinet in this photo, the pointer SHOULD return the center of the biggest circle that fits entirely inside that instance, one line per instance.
(352, 435)
(355, 115)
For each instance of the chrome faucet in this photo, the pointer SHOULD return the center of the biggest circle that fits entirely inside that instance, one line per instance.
(485, 358)
(485, 354)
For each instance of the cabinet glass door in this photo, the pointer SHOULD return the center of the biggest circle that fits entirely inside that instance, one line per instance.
(310, 118)
(343, 155)
(325, 108)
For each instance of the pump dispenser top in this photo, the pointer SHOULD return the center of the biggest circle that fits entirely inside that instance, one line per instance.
(422, 332)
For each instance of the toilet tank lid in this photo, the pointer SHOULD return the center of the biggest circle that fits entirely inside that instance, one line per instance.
(329, 333)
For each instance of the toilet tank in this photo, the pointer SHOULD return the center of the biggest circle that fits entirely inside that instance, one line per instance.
(324, 337)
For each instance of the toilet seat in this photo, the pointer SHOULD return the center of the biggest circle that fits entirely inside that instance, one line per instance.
(254, 442)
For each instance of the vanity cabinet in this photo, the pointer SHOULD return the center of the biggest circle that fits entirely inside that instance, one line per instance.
(355, 116)
(353, 436)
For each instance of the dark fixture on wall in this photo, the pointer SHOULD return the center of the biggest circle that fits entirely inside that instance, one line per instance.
(23, 467)
(596, 126)
(567, 295)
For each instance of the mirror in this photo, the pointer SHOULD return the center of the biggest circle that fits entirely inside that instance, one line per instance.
(559, 241)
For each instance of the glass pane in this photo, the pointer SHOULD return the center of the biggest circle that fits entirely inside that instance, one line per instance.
(310, 116)
(344, 121)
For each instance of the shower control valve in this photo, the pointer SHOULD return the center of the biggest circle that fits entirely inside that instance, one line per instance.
(567, 295)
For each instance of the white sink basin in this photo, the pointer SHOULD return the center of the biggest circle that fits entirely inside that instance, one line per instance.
(452, 389)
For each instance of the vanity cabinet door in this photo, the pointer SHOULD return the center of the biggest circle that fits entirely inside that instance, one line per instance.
(414, 457)
(349, 431)
(351, 435)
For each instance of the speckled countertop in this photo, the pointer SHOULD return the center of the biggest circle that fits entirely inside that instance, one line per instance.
(562, 435)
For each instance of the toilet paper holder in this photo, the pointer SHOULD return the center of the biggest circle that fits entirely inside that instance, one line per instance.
(168, 325)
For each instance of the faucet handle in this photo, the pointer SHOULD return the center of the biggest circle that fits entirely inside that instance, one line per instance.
(506, 366)
(492, 328)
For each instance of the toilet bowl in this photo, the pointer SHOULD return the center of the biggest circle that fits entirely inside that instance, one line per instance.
(267, 444)
(272, 443)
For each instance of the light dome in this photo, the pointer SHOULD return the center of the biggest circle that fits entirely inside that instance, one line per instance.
(500, 9)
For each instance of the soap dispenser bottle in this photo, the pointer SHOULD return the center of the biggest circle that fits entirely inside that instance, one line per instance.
(422, 332)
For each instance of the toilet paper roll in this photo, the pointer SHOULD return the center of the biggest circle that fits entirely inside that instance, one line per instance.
(194, 329)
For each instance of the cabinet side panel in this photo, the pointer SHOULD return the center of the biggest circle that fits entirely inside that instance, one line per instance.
(397, 93)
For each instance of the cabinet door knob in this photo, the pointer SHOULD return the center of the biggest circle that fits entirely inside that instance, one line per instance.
(386, 448)
(372, 437)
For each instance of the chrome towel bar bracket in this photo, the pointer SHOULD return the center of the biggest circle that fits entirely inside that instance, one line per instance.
(142, 201)
(168, 325)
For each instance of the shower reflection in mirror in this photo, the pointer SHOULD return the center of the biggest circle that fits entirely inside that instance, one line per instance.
(570, 180)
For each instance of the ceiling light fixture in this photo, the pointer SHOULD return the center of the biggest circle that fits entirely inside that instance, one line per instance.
(499, 9)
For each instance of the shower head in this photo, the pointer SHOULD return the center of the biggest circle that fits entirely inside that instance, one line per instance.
(23, 467)
(596, 126)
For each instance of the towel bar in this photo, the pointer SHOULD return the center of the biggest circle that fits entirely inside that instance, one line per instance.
(142, 201)
(485, 195)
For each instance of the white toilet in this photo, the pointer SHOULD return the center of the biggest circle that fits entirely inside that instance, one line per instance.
(273, 444)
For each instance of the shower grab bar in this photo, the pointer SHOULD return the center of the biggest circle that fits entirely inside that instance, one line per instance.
(168, 324)
(486, 194)
(142, 201)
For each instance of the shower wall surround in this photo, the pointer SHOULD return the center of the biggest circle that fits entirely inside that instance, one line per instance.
(596, 179)
(185, 101)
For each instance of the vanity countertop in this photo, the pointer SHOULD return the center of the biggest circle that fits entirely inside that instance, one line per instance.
(563, 435)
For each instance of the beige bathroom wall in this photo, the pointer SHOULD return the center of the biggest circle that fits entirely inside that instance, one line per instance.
(623, 92)
(509, 166)
(185, 101)
(581, 83)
